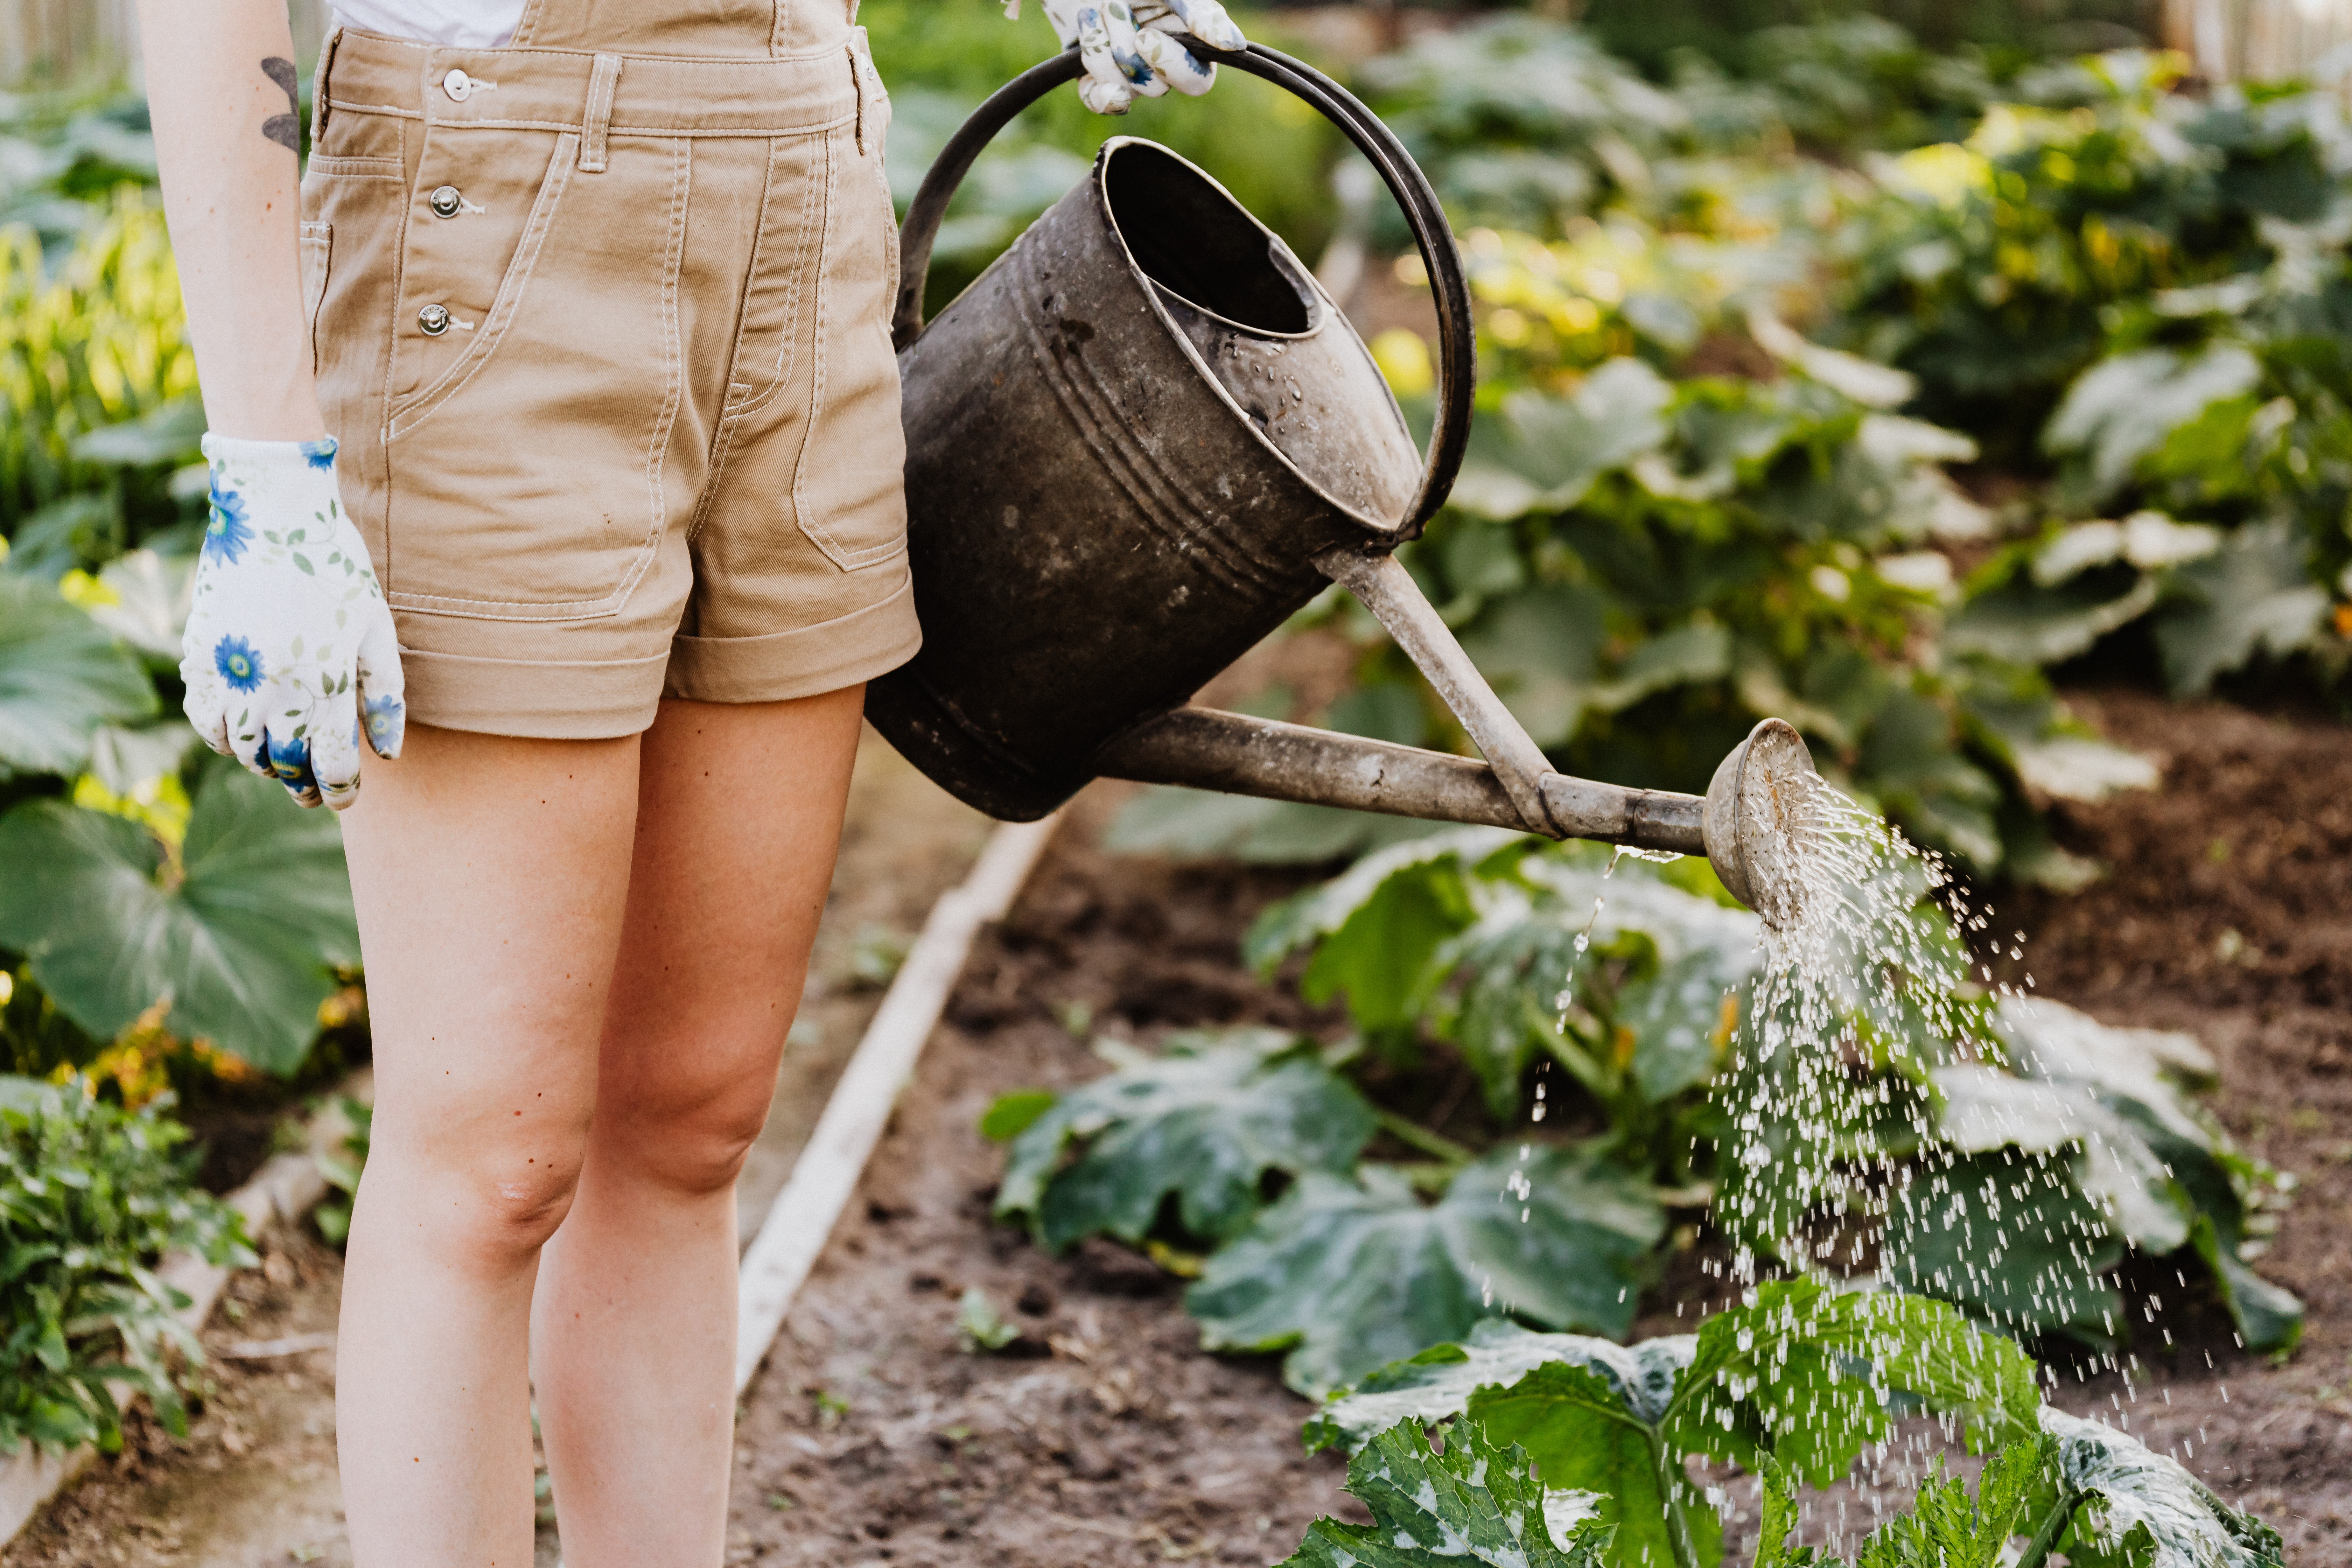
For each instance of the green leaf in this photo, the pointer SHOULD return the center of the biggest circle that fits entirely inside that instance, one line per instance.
(1540, 650)
(1801, 1376)
(1011, 1114)
(143, 598)
(242, 944)
(2015, 1242)
(1162, 819)
(172, 432)
(1946, 1530)
(1435, 1386)
(2031, 624)
(2253, 595)
(1348, 1275)
(980, 1323)
(2144, 1509)
(61, 677)
(2270, 1320)
(2160, 1169)
(1206, 1122)
(1538, 453)
(1475, 1503)
(2124, 407)
(1806, 1374)
(1319, 912)
(1582, 1431)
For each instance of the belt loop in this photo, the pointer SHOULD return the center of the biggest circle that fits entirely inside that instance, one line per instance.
(319, 87)
(599, 115)
(857, 82)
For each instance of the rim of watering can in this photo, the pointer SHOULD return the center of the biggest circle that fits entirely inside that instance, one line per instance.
(1457, 355)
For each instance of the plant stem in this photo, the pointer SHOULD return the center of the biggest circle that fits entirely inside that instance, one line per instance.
(1435, 1144)
(2053, 1525)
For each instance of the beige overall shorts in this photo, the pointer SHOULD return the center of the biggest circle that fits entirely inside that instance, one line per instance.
(601, 321)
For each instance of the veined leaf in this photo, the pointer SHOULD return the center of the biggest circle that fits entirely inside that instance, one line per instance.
(1347, 1275)
(1205, 1122)
(2122, 407)
(1803, 1376)
(2253, 595)
(2015, 1242)
(2136, 1508)
(1806, 1374)
(1475, 1503)
(61, 677)
(241, 941)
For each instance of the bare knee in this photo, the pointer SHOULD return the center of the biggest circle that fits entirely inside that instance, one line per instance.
(687, 1138)
(486, 1203)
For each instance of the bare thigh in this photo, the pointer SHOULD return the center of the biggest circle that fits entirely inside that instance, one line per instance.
(739, 819)
(491, 874)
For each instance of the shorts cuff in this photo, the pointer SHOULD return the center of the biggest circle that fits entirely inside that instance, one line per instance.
(566, 700)
(803, 662)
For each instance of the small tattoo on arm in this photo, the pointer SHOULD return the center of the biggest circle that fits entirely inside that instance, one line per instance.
(286, 129)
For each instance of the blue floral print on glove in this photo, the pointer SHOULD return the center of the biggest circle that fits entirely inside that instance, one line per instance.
(289, 657)
(1129, 50)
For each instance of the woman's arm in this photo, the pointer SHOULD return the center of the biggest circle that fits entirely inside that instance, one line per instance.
(222, 87)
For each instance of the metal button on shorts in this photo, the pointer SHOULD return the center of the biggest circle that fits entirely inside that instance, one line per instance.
(445, 200)
(434, 319)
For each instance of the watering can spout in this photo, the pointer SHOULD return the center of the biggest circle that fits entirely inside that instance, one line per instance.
(1751, 825)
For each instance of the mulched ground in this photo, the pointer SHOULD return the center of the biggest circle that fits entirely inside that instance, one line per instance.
(1105, 1436)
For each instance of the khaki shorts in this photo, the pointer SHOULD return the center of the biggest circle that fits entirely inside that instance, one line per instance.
(605, 337)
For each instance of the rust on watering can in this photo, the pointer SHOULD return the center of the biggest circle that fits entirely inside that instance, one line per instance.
(1142, 440)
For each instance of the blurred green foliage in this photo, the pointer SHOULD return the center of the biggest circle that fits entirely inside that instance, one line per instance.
(91, 1195)
(941, 57)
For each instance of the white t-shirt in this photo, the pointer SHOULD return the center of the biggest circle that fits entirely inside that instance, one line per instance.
(462, 24)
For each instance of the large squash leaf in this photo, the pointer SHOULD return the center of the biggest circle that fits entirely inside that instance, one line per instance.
(2115, 1149)
(1801, 1376)
(2134, 1508)
(61, 677)
(1205, 1122)
(240, 933)
(1474, 1503)
(1349, 1274)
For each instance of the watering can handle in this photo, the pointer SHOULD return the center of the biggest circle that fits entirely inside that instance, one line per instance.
(1456, 358)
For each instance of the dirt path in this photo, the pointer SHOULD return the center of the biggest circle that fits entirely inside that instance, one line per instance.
(256, 1483)
(1103, 1436)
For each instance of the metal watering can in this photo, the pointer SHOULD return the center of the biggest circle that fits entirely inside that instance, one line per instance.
(1142, 440)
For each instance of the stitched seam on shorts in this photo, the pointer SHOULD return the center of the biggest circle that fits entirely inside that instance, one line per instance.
(723, 439)
(673, 258)
(383, 429)
(846, 559)
(332, 168)
(807, 128)
(503, 309)
(788, 348)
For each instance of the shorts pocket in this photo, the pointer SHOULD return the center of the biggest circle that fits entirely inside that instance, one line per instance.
(849, 486)
(529, 468)
(478, 223)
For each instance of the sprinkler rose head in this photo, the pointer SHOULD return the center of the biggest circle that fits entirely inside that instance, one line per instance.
(1762, 804)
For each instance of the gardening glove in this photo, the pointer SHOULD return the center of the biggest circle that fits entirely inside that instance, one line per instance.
(289, 655)
(1129, 50)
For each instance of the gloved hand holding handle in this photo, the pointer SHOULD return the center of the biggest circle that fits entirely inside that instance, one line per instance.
(1131, 52)
(289, 655)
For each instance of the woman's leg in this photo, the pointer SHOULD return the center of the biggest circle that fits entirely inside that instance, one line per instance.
(738, 817)
(491, 874)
